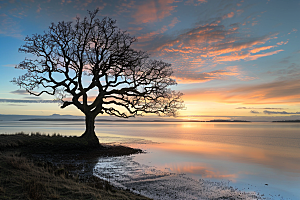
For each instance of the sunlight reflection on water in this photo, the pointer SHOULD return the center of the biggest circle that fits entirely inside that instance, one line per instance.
(249, 155)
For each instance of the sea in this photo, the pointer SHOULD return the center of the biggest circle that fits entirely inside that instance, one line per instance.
(181, 158)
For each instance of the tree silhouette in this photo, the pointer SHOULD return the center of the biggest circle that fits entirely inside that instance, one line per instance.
(92, 66)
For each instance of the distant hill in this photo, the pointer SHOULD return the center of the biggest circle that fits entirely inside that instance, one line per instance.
(125, 120)
(58, 117)
(289, 121)
(220, 120)
(100, 120)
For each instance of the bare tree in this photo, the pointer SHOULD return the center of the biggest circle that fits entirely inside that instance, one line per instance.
(92, 66)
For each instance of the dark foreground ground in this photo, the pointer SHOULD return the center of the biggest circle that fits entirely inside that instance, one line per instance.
(54, 167)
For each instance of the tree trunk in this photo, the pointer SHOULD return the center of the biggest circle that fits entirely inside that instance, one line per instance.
(89, 135)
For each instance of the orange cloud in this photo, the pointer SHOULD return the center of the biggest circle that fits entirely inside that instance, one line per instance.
(196, 77)
(174, 21)
(245, 56)
(282, 42)
(87, 2)
(135, 28)
(205, 45)
(39, 8)
(256, 56)
(125, 6)
(149, 36)
(294, 30)
(209, 45)
(215, 41)
(229, 15)
(198, 2)
(153, 10)
(256, 50)
(278, 92)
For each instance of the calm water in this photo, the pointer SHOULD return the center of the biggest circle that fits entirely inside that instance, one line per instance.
(260, 157)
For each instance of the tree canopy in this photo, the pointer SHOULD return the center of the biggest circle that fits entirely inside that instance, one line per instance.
(93, 66)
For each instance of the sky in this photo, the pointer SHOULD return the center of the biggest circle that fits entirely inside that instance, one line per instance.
(232, 59)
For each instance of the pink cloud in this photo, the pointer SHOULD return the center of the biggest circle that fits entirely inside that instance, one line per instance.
(102, 6)
(135, 28)
(149, 36)
(240, 11)
(294, 30)
(125, 7)
(211, 44)
(174, 21)
(254, 23)
(282, 42)
(195, 2)
(277, 92)
(245, 56)
(87, 2)
(153, 10)
(10, 27)
(39, 8)
(256, 50)
(256, 56)
(229, 15)
(213, 41)
(196, 77)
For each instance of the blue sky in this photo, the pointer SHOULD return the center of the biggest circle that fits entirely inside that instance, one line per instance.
(232, 59)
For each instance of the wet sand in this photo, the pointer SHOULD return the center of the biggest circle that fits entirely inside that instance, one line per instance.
(125, 173)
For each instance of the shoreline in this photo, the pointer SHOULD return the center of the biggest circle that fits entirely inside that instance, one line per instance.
(161, 184)
(52, 173)
(81, 166)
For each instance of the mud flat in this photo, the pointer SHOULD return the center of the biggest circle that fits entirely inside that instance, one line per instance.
(124, 172)
(53, 167)
(110, 171)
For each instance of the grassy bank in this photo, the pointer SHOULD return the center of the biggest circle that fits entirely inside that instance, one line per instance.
(51, 167)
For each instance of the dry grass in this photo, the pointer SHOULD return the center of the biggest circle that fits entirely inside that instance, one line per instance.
(17, 162)
(23, 179)
(38, 139)
(2, 190)
(57, 144)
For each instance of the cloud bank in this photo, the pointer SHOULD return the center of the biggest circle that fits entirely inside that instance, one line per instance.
(27, 101)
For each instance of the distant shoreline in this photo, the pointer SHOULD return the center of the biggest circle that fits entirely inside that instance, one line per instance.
(289, 121)
(108, 120)
(58, 117)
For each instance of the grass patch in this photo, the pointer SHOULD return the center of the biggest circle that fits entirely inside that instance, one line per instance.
(38, 140)
(53, 144)
(36, 167)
